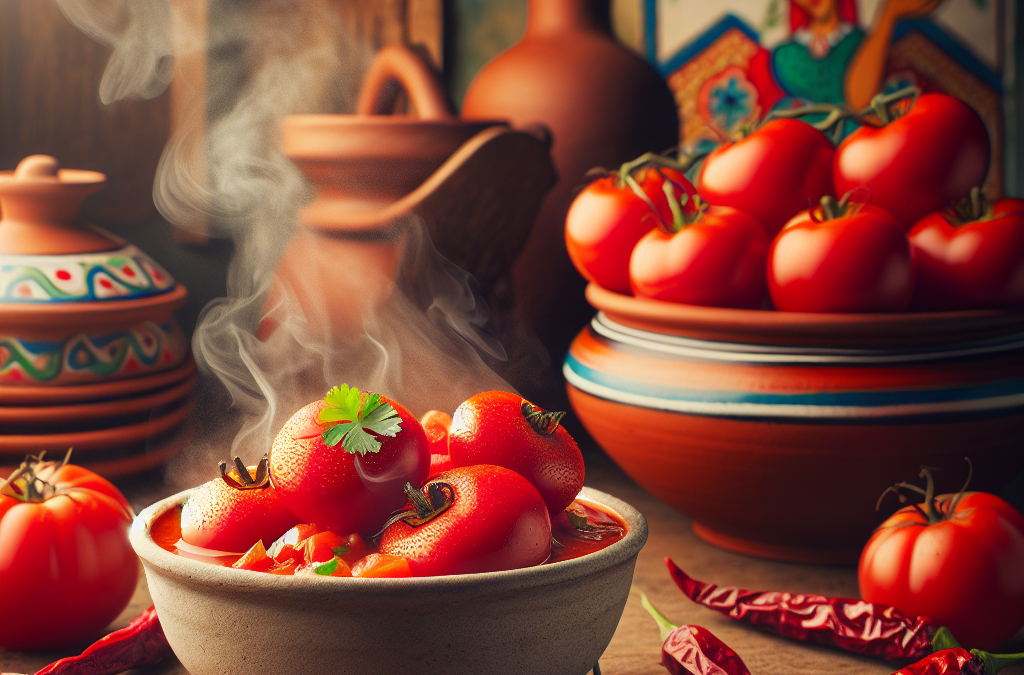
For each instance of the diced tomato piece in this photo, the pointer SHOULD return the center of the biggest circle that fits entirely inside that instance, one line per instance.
(438, 465)
(288, 567)
(381, 565)
(255, 559)
(323, 546)
(437, 423)
(289, 545)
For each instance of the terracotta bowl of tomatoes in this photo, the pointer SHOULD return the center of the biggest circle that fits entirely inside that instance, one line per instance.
(777, 432)
(553, 618)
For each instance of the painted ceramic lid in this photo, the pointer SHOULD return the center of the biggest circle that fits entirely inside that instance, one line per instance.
(48, 256)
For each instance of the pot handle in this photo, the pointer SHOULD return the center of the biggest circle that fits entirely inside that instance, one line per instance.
(400, 65)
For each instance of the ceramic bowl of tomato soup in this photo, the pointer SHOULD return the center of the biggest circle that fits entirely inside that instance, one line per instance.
(777, 432)
(555, 618)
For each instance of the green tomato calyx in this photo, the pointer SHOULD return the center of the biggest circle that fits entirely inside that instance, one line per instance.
(424, 505)
(28, 482)
(351, 415)
(933, 512)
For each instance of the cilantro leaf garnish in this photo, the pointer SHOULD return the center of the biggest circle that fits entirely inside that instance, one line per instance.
(328, 568)
(350, 415)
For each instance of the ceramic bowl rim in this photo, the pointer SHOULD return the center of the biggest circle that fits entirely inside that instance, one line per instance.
(226, 580)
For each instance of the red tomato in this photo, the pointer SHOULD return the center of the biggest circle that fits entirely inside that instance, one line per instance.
(918, 163)
(496, 520)
(346, 491)
(962, 567)
(858, 262)
(607, 219)
(438, 465)
(717, 260)
(66, 567)
(288, 547)
(970, 263)
(774, 173)
(504, 429)
(224, 518)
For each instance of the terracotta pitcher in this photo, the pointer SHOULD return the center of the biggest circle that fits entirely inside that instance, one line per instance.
(603, 106)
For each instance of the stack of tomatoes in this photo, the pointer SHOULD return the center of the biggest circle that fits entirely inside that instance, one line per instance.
(355, 485)
(763, 226)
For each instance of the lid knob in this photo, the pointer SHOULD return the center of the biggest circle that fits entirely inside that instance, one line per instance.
(39, 204)
(37, 165)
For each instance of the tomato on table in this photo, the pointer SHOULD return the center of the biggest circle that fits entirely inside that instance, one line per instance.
(774, 173)
(471, 519)
(607, 218)
(917, 163)
(841, 257)
(970, 257)
(504, 429)
(342, 462)
(66, 567)
(717, 258)
(957, 559)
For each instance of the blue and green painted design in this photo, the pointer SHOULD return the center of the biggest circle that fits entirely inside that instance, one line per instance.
(120, 275)
(146, 347)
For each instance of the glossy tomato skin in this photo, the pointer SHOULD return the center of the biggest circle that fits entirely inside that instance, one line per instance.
(339, 491)
(606, 220)
(975, 265)
(490, 428)
(223, 518)
(774, 173)
(497, 521)
(918, 163)
(719, 260)
(855, 263)
(66, 567)
(964, 572)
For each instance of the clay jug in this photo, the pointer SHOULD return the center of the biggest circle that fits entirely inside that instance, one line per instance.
(603, 106)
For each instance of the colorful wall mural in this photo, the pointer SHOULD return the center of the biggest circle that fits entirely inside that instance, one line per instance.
(730, 61)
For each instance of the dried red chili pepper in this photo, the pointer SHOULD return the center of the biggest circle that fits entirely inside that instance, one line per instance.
(850, 624)
(693, 650)
(140, 643)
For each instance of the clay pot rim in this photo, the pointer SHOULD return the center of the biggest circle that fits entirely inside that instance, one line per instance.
(21, 395)
(100, 439)
(270, 586)
(328, 120)
(71, 317)
(64, 177)
(757, 325)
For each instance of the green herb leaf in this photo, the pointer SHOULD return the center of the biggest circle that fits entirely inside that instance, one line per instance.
(340, 551)
(350, 416)
(328, 568)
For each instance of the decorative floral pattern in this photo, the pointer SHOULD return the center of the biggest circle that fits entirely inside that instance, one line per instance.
(124, 274)
(145, 348)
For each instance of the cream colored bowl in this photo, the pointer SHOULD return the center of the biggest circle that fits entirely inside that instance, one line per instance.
(556, 618)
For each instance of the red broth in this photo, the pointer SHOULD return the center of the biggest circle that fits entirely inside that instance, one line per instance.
(604, 529)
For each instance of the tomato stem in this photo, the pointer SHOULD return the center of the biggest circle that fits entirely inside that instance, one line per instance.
(25, 485)
(247, 481)
(544, 422)
(427, 504)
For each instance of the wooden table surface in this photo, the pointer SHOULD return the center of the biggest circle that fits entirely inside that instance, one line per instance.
(636, 647)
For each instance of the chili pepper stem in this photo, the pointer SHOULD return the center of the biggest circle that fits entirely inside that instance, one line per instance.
(664, 625)
(943, 639)
(996, 662)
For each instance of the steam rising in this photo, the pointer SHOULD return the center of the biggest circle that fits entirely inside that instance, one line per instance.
(381, 310)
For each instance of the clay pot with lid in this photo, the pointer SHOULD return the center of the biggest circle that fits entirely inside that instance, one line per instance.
(77, 304)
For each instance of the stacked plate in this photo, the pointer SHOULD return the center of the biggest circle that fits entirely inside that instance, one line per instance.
(91, 356)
